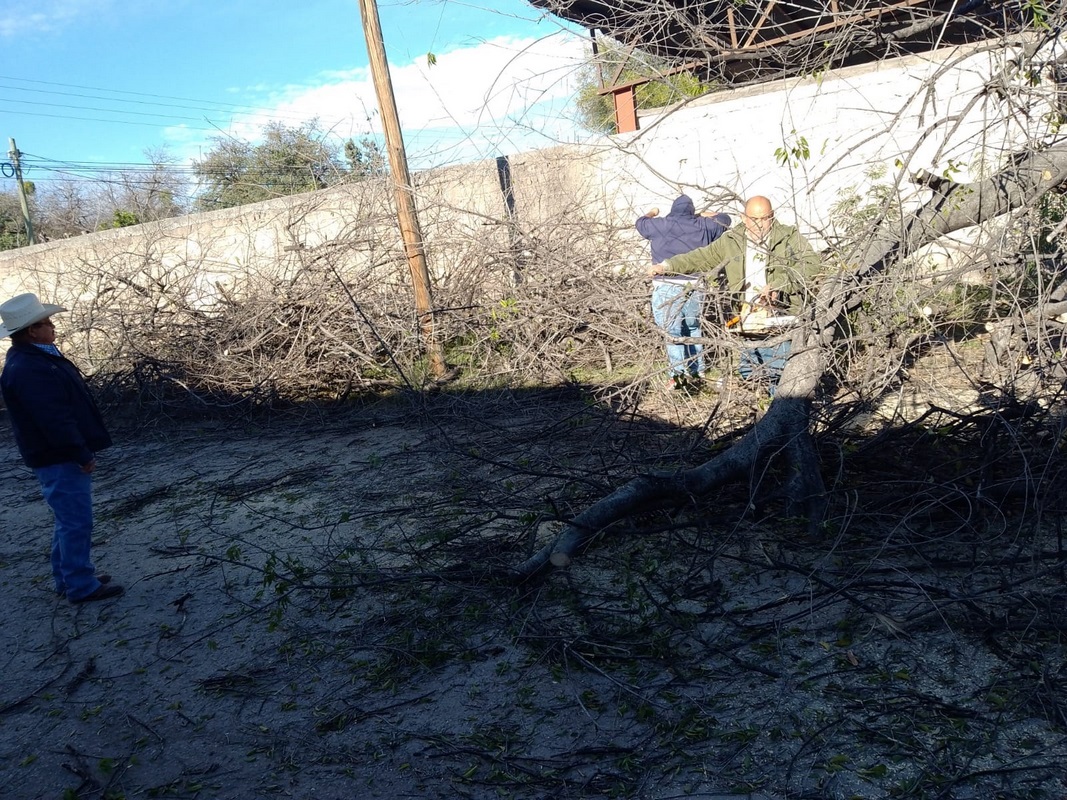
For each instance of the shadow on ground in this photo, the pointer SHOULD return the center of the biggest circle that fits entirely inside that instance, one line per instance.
(318, 605)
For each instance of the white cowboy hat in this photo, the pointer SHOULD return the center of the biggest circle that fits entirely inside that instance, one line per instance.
(22, 311)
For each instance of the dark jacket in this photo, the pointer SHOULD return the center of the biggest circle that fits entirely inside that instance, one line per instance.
(791, 266)
(681, 230)
(54, 417)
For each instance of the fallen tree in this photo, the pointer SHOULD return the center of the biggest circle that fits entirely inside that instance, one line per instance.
(784, 431)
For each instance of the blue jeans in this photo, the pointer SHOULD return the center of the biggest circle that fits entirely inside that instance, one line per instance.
(69, 493)
(676, 309)
(765, 363)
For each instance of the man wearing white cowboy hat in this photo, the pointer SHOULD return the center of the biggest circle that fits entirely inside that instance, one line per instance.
(58, 430)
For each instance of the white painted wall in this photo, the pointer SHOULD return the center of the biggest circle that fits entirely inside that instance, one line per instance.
(897, 116)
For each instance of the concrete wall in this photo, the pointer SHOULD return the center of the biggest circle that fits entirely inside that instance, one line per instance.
(891, 118)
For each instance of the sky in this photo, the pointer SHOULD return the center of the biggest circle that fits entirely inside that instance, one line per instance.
(91, 85)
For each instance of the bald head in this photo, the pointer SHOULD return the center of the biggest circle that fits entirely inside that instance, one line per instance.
(758, 217)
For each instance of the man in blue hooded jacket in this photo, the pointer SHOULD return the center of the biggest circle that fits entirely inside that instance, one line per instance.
(58, 429)
(677, 299)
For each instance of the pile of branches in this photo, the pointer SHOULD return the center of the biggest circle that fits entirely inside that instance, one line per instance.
(320, 332)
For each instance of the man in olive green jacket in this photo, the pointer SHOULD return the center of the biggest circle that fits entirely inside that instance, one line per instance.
(768, 265)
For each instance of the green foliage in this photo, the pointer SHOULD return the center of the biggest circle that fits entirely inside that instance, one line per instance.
(952, 170)
(1055, 120)
(1037, 12)
(793, 151)
(287, 161)
(12, 228)
(596, 112)
(123, 219)
(854, 214)
(365, 158)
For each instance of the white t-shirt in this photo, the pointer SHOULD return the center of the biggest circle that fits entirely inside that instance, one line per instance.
(755, 269)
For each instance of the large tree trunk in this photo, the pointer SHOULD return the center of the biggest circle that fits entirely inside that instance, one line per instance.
(784, 429)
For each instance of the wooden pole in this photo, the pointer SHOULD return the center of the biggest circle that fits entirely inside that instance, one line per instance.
(23, 201)
(405, 195)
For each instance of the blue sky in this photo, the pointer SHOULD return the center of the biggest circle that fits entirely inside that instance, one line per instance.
(89, 84)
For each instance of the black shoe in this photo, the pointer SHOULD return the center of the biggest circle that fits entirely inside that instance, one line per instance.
(685, 384)
(103, 577)
(103, 592)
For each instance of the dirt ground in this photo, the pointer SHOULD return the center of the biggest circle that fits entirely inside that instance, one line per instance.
(317, 606)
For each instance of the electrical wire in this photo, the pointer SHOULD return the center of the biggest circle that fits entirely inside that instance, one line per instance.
(109, 121)
(105, 110)
(233, 112)
(251, 109)
(176, 178)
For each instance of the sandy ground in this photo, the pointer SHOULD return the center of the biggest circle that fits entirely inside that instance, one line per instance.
(214, 677)
(178, 688)
(314, 610)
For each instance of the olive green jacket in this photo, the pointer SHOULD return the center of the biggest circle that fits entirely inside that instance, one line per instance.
(792, 264)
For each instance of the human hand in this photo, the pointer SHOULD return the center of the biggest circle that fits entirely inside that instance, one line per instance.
(88, 468)
(652, 212)
(656, 269)
(767, 297)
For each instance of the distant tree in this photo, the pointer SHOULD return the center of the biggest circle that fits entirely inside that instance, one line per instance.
(596, 112)
(365, 158)
(12, 228)
(124, 219)
(73, 206)
(287, 161)
(147, 194)
(66, 208)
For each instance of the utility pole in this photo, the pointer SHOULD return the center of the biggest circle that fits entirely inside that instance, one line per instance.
(405, 195)
(14, 154)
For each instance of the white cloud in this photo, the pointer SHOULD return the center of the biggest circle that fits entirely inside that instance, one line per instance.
(47, 15)
(498, 96)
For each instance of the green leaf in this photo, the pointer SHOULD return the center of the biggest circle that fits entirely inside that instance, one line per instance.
(877, 771)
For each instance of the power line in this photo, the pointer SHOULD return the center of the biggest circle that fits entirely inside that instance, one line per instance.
(99, 164)
(202, 107)
(108, 121)
(324, 156)
(128, 174)
(122, 115)
(123, 91)
(81, 170)
(215, 129)
(105, 110)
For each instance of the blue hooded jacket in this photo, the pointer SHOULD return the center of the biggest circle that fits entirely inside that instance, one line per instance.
(681, 231)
